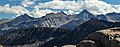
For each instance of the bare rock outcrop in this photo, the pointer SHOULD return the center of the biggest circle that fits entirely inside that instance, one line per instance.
(87, 43)
(103, 38)
(69, 46)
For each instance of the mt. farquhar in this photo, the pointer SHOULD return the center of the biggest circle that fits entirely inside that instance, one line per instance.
(61, 30)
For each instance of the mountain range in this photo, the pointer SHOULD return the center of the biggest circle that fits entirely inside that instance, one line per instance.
(50, 37)
(54, 29)
(50, 20)
(57, 20)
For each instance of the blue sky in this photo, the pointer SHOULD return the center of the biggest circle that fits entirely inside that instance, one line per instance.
(13, 12)
(113, 1)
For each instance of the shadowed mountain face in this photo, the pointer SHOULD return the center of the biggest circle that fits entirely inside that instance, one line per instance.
(30, 36)
(75, 36)
(72, 24)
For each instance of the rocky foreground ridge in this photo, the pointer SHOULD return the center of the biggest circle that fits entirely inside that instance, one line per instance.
(103, 38)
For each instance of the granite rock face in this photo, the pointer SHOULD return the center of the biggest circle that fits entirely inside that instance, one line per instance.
(103, 38)
(69, 46)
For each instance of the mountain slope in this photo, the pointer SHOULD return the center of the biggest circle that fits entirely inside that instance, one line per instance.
(85, 15)
(75, 36)
(11, 25)
(30, 36)
(50, 20)
(79, 19)
(54, 19)
(22, 18)
(2, 21)
(113, 17)
(102, 17)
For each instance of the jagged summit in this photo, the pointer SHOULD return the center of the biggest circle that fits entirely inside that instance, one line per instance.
(22, 18)
(24, 15)
(56, 14)
(50, 14)
(61, 12)
(112, 13)
(85, 11)
(85, 15)
(53, 15)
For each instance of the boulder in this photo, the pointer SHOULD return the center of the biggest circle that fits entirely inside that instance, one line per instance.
(69, 46)
(87, 43)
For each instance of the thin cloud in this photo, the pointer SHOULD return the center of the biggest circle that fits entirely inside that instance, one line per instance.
(94, 6)
(27, 3)
(18, 10)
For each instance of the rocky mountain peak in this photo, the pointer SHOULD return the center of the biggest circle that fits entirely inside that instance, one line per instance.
(62, 13)
(85, 11)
